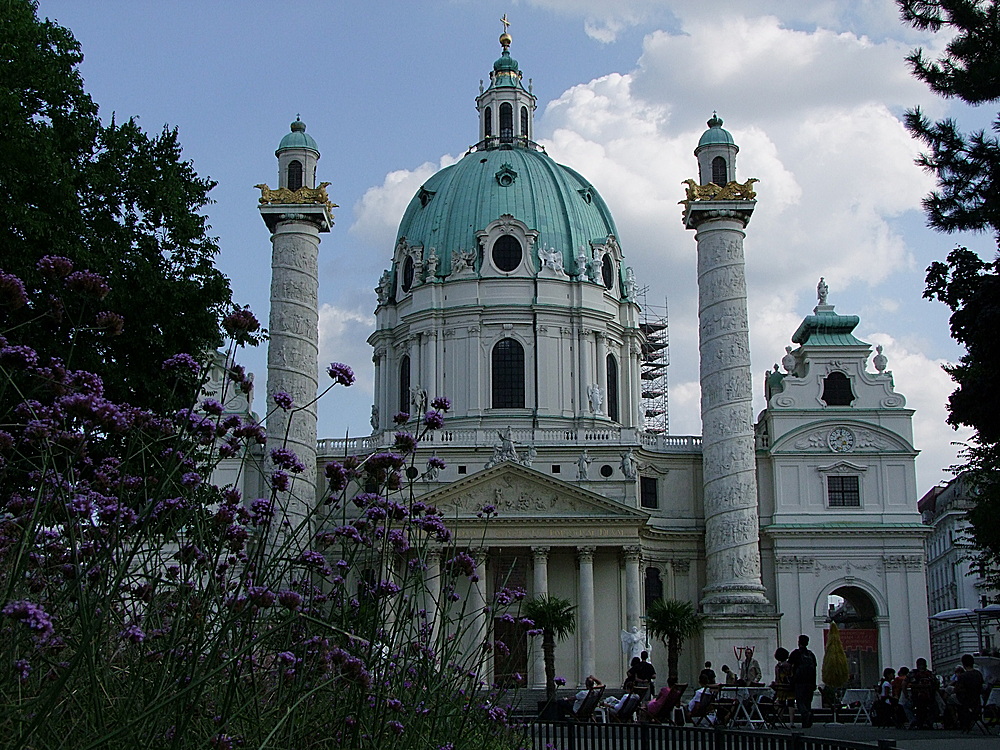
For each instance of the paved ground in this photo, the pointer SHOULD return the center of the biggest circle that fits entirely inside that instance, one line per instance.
(908, 739)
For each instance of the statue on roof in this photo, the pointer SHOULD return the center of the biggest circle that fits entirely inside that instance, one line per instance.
(822, 290)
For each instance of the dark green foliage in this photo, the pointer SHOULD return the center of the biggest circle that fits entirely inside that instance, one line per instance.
(967, 198)
(673, 621)
(114, 200)
(557, 621)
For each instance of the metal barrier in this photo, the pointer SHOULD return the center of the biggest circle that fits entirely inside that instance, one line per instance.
(571, 735)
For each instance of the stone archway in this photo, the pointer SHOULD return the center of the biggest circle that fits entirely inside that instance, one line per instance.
(856, 614)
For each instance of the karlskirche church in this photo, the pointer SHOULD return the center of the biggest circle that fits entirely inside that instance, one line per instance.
(507, 291)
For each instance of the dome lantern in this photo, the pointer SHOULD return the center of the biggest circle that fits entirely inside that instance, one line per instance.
(506, 107)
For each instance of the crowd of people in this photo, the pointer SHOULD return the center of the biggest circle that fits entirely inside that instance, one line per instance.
(916, 698)
(913, 698)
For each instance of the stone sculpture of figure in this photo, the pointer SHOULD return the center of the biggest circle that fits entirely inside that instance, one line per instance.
(596, 398)
(628, 465)
(822, 290)
(433, 469)
(529, 457)
(583, 464)
(880, 360)
(418, 397)
(383, 288)
(551, 258)
(432, 266)
(788, 361)
(593, 269)
(507, 450)
(374, 419)
(630, 286)
(634, 643)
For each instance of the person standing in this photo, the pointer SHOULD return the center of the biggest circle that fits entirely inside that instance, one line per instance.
(969, 692)
(803, 663)
(645, 673)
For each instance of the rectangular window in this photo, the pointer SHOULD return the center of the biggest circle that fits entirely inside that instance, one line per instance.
(556, 468)
(843, 492)
(647, 493)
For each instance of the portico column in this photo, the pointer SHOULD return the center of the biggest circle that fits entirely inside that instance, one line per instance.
(480, 613)
(633, 610)
(585, 558)
(540, 573)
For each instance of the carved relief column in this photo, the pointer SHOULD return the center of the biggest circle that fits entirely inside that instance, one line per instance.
(728, 454)
(292, 354)
(540, 581)
(633, 588)
(585, 558)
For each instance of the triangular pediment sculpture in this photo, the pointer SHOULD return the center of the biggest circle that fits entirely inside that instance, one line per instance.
(520, 492)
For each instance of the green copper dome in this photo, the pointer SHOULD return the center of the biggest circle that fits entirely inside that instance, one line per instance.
(716, 134)
(298, 138)
(448, 210)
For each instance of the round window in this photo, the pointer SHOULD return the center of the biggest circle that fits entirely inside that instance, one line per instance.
(412, 472)
(507, 253)
(607, 471)
(608, 272)
(407, 273)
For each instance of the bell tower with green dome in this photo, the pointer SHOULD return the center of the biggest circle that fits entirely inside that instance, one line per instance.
(506, 107)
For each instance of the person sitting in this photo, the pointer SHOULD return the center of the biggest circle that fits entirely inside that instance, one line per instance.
(666, 701)
(571, 706)
(700, 705)
(621, 709)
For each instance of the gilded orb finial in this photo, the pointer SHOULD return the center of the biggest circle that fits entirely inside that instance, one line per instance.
(505, 39)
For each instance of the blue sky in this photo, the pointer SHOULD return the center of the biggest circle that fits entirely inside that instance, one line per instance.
(812, 94)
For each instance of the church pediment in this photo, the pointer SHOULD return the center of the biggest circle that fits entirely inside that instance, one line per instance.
(841, 436)
(518, 492)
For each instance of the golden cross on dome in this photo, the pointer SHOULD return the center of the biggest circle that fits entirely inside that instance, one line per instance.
(505, 22)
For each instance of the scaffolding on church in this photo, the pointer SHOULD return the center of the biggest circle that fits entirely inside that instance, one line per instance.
(654, 360)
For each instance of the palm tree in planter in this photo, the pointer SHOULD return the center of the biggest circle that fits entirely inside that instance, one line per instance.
(557, 621)
(673, 621)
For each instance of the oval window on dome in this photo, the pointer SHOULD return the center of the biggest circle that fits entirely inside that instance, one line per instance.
(407, 273)
(608, 272)
(507, 253)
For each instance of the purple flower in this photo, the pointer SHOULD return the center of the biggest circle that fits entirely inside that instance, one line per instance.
(89, 283)
(286, 459)
(191, 479)
(289, 599)
(405, 442)
(283, 400)
(337, 475)
(487, 511)
(211, 406)
(434, 420)
(434, 462)
(112, 321)
(241, 324)
(133, 634)
(560, 681)
(12, 292)
(279, 481)
(182, 362)
(340, 373)
(401, 417)
(262, 511)
(55, 266)
(22, 668)
(394, 704)
(441, 403)
(32, 615)
(395, 726)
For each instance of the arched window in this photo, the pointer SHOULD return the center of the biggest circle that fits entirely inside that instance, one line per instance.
(508, 375)
(608, 272)
(294, 174)
(612, 388)
(524, 121)
(837, 389)
(507, 253)
(654, 586)
(488, 122)
(506, 122)
(720, 174)
(404, 383)
(407, 280)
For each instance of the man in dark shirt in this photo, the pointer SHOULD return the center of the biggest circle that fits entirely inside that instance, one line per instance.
(969, 692)
(923, 686)
(644, 672)
(803, 663)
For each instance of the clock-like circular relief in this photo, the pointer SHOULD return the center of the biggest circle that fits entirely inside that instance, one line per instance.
(840, 440)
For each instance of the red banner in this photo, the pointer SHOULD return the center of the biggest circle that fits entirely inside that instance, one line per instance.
(856, 639)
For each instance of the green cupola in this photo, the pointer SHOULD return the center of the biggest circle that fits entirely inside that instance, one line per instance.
(506, 107)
